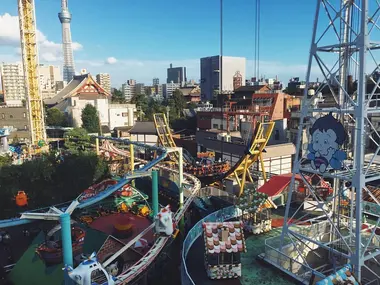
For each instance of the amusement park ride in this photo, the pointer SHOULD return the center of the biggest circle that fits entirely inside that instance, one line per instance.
(339, 239)
(221, 171)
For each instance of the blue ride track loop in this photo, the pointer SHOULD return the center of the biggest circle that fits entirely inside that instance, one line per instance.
(102, 195)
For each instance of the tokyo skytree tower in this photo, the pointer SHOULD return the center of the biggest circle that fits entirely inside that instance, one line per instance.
(68, 58)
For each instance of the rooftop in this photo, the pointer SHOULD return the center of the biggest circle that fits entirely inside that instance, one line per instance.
(224, 237)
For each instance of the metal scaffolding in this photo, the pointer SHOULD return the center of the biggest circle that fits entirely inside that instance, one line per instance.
(30, 64)
(316, 246)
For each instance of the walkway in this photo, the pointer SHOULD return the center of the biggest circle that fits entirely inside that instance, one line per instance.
(196, 268)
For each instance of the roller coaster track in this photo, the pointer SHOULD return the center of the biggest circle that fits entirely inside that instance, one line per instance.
(132, 272)
(240, 171)
(165, 137)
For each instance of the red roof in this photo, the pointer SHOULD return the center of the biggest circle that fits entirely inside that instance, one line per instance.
(277, 184)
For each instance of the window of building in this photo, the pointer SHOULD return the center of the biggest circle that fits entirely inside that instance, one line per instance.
(25, 127)
(124, 114)
(3, 116)
(11, 116)
(24, 115)
(277, 135)
(214, 126)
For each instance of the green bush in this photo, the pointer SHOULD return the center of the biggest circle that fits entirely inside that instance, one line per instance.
(48, 182)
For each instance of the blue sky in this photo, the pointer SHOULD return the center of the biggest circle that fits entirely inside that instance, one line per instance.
(145, 36)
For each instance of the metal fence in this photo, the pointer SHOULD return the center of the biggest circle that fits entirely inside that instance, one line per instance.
(218, 216)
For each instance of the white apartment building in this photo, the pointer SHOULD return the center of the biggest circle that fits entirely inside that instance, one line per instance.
(129, 89)
(210, 74)
(13, 83)
(169, 88)
(104, 80)
(121, 115)
(49, 76)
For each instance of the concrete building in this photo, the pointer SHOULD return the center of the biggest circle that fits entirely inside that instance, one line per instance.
(104, 79)
(140, 88)
(210, 74)
(13, 83)
(15, 119)
(121, 115)
(156, 81)
(169, 88)
(129, 89)
(50, 78)
(176, 75)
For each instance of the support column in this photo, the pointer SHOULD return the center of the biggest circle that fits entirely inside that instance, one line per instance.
(66, 239)
(155, 192)
(180, 182)
(132, 162)
(97, 146)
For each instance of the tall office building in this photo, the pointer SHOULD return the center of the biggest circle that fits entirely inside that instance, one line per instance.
(156, 81)
(176, 75)
(13, 83)
(129, 89)
(104, 80)
(210, 74)
(68, 57)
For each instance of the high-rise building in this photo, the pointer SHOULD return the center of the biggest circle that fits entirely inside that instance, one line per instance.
(176, 75)
(140, 88)
(104, 80)
(210, 81)
(129, 89)
(68, 57)
(13, 83)
(49, 76)
(169, 88)
(156, 81)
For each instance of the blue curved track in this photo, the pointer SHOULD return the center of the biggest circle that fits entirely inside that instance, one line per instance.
(91, 201)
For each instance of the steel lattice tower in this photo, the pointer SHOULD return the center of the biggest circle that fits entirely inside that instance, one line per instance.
(29, 52)
(68, 58)
(343, 54)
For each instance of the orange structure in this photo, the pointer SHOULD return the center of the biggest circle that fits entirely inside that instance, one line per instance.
(21, 199)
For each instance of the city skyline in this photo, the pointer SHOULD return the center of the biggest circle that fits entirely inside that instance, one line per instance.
(153, 41)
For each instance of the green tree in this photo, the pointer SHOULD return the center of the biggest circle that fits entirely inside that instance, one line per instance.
(48, 181)
(77, 140)
(192, 105)
(117, 96)
(90, 119)
(54, 117)
(5, 160)
(141, 102)
(179, 102)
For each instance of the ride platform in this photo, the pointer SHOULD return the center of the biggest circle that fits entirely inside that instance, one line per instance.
(30, 269)
(126, 225)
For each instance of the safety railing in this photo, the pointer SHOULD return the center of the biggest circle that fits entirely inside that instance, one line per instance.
(218, 216)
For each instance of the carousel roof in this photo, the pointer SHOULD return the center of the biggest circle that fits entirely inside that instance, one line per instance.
(254, 201)
(224, 237)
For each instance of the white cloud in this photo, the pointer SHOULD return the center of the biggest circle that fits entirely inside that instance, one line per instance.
(111, 60)
(10, 36)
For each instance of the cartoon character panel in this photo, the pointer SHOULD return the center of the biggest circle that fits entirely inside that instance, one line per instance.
(327, 137)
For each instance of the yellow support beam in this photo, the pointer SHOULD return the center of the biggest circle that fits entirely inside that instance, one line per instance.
(263, 132)
(29, 52)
